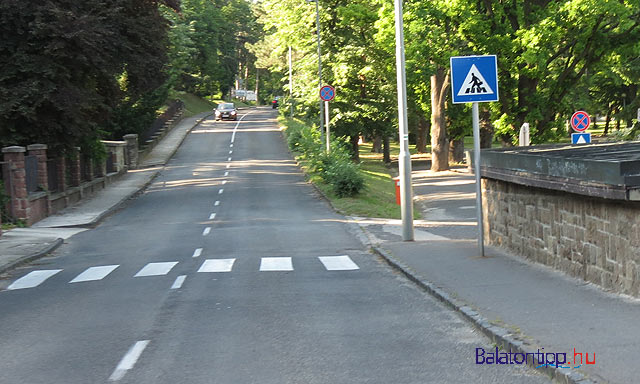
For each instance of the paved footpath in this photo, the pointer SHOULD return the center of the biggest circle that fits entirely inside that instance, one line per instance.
(522, 306)
(22, 245)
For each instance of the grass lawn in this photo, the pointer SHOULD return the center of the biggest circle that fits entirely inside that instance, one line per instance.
(378, 197)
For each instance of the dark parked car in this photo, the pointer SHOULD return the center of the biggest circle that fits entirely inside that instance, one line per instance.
(226, 111)
(274, 104)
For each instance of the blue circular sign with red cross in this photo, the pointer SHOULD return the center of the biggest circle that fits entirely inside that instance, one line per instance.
(580, 121)
(327, 93)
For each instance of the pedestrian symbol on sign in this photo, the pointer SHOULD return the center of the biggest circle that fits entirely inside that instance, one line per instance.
(475, 84)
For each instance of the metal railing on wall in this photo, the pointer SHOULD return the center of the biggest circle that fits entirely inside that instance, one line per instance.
(31, 169)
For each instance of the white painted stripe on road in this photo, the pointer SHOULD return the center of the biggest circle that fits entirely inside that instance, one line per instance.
(231, 146)
(230, 152)
(229, 159)
(156, 269)
(235, 129)
(276, 264)
(226, 173)
(217, 203)
(338, 263)
(206, 231)
(228, 166)
(197, 252)
(220, 191)
(224, 182)
(179, 281)
(33, 279)
(129, 360)
(217, 265)
(94, 273)
(212, 216)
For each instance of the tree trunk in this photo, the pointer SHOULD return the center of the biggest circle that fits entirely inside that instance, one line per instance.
(355, 148)
(439, 145)
(617, 114)
(486, 129)
(377, 144)
(386, 150)
(607, 122)
(257, 85)
(423, 133)
(456, 150)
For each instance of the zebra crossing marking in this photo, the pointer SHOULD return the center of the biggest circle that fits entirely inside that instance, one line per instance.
(275, 264)
(33, 279)
(338, 263)
(156, 269)
(94, 273)
(217, 265)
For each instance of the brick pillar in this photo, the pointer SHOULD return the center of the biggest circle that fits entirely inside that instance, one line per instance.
(40, 152)
(131, 152)
(74, 167)
(61, 164)
(19, 196)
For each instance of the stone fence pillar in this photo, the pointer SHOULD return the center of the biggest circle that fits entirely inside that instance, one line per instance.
(74, 167)
(132, 150)
(61, 176)
(18, 180)
(40, 152)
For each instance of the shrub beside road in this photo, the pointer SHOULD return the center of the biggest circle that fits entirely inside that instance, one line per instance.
(364, 189)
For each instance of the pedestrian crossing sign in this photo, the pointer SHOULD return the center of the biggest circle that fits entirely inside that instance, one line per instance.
(474, 79)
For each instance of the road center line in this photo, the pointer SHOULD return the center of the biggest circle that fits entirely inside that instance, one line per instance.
(235, 129)
(197, 252)
(217, 203)
(129, 360)
(226, 174)
(212, 216)
(224, 182)
(220, 191)
(206, 231)
(229, 159)
(179, 281)
(228, 166)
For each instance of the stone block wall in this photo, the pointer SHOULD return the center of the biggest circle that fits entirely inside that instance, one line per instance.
(591, 238)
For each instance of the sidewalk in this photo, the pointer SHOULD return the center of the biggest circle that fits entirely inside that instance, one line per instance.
(520, 305)
(22, 245)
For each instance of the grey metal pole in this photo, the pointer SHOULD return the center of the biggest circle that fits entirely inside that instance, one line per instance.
(319, 61)
(291, 81)
(326, 110)
(476, 160)
(406, 198)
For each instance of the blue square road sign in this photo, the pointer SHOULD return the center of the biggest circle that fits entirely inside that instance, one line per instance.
(474, 79)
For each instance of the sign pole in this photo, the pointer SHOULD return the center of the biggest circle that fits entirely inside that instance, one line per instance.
(326, 112)
(404, 160)
(291, 80)
(476, 160)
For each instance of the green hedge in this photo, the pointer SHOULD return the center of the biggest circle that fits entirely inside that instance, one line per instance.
(335, 168)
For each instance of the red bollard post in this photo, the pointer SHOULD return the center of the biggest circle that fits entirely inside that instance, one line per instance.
(397, 182)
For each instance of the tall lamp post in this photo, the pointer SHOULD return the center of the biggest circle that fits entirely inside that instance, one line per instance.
(319, 60)
(404, 161)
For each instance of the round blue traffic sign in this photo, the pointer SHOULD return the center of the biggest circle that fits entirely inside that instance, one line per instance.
(327, 93)
(580, 121)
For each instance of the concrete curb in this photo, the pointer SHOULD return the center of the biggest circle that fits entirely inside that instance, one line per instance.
(502, 337)
(26, 259)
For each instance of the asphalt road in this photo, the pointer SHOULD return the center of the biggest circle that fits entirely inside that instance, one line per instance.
(230, 269)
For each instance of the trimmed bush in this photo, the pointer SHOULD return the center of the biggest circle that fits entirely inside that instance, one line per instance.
(335, 168)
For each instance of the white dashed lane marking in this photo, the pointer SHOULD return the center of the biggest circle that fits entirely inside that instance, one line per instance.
(129, 360)
(197, 252)
(179, 281)
(206, 231)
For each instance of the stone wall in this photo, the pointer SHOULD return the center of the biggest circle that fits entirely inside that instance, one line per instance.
(591, 238)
